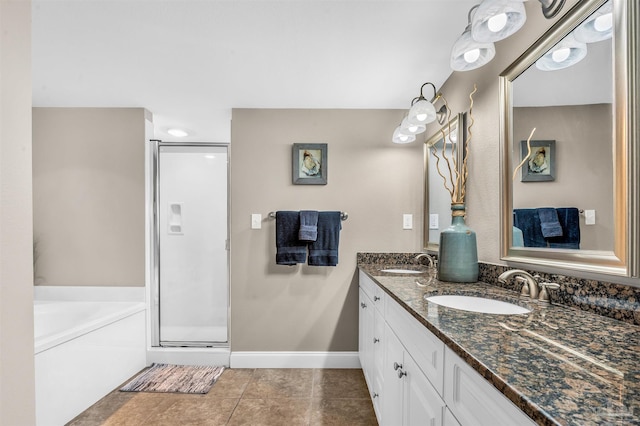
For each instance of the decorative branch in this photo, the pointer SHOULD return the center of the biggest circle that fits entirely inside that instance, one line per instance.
(527, 156)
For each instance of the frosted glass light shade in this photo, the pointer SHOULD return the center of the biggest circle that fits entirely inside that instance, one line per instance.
(497, 19)
(411, 129)
(400, 137)
(421, 113)
(468, 54)
(598, 26)
(564, 54)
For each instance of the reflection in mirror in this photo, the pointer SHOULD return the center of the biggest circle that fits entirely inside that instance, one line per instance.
(567, 207)
(437, 200)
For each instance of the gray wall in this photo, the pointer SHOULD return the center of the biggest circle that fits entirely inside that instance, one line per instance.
(584, 165)
(305, 308)
(17, 393)
(88, 196)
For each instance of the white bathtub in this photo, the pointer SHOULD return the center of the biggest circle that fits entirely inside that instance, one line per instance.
(84, 350)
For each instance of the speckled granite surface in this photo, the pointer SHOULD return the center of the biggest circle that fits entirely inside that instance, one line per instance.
(560, 365)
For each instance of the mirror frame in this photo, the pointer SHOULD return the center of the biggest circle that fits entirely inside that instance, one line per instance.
(459, 122)
(623, 260)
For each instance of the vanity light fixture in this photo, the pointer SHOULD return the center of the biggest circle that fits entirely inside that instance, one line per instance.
(421, 113)
(598, 26)
(400, 137)
(468, 54)
(179, 133)
(564, 54)
(495, 20)
(550, 8)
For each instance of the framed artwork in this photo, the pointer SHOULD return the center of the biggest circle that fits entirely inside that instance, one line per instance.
(541, 165)
(309, 163)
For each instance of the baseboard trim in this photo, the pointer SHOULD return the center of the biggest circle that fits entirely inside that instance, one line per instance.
(251, 359)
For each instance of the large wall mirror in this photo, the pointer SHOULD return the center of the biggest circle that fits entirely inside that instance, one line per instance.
(573, 204)
(447, 143)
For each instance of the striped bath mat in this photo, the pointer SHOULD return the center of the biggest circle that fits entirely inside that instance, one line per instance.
(175, 378)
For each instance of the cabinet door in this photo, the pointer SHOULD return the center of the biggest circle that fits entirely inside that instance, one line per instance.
(423, 405)
(449, 419)
(365, 337)
(392, 405)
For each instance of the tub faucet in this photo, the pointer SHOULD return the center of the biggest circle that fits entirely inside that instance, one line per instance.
(428, 256)
(529, 282)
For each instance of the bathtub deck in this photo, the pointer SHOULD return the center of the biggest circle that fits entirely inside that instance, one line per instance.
(247, 396)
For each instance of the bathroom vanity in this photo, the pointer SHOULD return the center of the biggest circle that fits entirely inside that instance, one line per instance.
(429, 364)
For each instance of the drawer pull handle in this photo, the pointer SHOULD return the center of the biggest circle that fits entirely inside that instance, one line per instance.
(376, 298)
(364, 305)
(375, 340)
(375, 395)
(401, 373)
(396, 366)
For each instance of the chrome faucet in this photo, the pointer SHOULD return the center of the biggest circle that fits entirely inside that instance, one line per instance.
(428, 256)
(529, 282)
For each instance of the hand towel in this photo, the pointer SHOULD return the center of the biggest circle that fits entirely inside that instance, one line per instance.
(289, 250)
(308, 225)
(528, 221)
(569, 218)
(549, 223)
(324, 251)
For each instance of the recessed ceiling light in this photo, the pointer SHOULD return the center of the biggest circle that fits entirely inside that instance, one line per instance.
(179, 133)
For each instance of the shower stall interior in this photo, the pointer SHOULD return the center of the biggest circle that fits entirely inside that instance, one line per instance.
(190, 285)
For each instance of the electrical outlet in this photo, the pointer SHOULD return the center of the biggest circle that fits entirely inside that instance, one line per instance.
(407, 221)
(256, 221)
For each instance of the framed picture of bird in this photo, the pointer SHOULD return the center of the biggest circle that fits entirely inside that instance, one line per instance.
(540, 164)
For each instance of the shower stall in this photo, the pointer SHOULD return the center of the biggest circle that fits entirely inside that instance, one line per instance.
(188, 217)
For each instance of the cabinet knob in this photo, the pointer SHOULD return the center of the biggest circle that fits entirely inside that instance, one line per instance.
(396, 366)
(376, 298)
(375, 340)
(375, 395)
(364, 305)
(401, 373)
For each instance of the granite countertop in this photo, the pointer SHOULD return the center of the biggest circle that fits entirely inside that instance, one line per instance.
(560, 365)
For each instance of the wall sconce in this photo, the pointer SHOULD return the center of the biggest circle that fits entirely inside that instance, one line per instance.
(488, 22)
(421, 113)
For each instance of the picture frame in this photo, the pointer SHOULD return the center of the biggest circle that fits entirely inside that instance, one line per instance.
(541, 165)
(309, 163)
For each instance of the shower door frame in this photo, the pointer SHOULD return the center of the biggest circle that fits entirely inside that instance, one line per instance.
(154, 303)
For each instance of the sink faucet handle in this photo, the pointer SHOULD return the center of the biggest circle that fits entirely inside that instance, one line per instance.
(544, 294)
(525, 285)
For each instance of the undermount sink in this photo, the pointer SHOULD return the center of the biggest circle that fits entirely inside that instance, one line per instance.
(478, 304)
(401, 271)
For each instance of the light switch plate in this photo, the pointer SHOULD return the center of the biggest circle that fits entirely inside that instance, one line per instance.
(433, 221)
(589, 217)
(256, 221)
(407, 221)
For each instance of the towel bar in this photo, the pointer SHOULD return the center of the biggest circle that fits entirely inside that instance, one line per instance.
(343, 215)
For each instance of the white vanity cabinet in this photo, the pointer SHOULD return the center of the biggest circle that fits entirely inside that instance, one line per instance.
(414, 379)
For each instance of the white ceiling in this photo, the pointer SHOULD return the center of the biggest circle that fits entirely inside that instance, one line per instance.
(190, 62)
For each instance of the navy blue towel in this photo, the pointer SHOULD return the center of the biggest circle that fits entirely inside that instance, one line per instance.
(549, 223)
(569, 218)
(308, 225)
(324, 251)
(289, 250)
(528, 221)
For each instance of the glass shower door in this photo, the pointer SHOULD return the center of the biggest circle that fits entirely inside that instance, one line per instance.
(193, 265)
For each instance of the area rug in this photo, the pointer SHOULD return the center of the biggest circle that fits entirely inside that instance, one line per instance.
(175, 378)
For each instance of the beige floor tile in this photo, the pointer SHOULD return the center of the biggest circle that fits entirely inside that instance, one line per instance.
(342, 412)
(271, 412)
(280, 383)
(195, 411)
(102, 410)
(231, 384)
(339, 383)
(136, 411)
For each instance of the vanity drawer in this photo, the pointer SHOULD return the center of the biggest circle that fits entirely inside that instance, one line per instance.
(373, 291)
(425, 348)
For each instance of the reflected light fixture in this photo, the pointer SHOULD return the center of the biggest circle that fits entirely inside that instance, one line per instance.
(564, 54)
(598, 26)
(550, 8)
(179, 133)
(468, 54)
(495, 20)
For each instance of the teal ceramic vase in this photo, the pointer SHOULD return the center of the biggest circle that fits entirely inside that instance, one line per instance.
(458, 253)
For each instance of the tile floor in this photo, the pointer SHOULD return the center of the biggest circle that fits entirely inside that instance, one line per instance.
(246, 397)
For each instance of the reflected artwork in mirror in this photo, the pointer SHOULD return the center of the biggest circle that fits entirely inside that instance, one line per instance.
(437, 200)
(574, 87)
